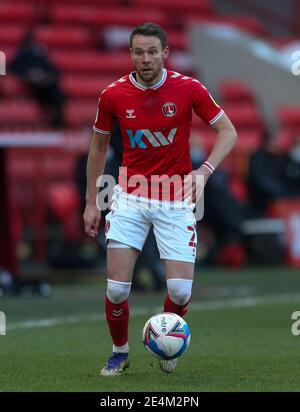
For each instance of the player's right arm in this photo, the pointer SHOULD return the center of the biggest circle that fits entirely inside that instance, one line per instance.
(96, 161)
(95, 168)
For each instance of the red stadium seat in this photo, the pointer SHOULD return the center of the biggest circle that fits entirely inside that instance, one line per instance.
(87, 62)
(77, 2)
(85, 86)
(64, 202)
(30, 175)
(194, 6)
(108, 16)
(203, 139)
(64, 14)
(238, 161)
(53, 164)
(63, 198)
(21, 166)
(289, 116)
(130, 16)
(61, 36)
(11, 86)
(284, 138)
(244, 116)
(12, 34)
(234, 91)
(19, 113)
(248, 141)
(17, 12)
(59, 165)
(81, 114)
(178, 40)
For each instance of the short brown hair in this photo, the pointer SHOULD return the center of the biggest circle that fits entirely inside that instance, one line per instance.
(150, 29)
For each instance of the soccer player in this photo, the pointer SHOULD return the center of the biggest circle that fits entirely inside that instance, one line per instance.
(154, 108)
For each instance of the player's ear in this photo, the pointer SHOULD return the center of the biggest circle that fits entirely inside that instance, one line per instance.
(165, 52)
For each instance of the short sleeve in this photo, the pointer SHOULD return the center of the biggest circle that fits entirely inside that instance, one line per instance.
(105, 117)
(205, 106)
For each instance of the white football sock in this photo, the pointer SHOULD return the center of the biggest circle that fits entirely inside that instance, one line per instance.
(121, 349)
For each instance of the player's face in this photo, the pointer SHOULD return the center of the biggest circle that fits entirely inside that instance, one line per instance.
(148, 58)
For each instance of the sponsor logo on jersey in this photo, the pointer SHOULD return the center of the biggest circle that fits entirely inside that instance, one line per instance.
(139, 137)
(169, 109)
(130, 114)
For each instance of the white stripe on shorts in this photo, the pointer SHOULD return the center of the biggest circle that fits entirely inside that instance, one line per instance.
(113, 244)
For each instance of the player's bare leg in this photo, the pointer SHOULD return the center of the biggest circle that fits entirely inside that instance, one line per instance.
(179, 282)
(120, 264)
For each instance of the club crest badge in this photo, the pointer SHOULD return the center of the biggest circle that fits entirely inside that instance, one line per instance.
(169, 109)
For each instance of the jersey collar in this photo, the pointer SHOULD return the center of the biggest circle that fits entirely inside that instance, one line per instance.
(154, 87)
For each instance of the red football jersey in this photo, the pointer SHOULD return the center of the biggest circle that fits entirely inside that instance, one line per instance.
(155, 123)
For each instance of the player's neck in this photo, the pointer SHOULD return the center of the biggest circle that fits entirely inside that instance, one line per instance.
(153, 82)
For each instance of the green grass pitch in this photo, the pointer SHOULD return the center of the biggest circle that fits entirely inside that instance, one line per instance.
(241, 338)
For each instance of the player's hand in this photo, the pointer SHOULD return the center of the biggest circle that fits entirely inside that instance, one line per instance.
(199, 178)
(91, 217)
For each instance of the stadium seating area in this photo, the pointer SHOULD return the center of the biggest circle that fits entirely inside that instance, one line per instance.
(77, 37)
(74, 35)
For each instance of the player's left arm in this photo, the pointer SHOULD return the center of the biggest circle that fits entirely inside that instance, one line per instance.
(226, 139)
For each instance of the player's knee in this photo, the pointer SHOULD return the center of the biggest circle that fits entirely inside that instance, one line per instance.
(117, 291)
(180, 290)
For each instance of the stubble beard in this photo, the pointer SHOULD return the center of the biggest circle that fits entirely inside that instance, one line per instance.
(147, 78)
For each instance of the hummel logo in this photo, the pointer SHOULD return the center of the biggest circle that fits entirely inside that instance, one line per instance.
(117, 313)
(130, 114)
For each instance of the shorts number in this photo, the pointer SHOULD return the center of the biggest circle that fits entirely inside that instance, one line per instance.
(192, 239)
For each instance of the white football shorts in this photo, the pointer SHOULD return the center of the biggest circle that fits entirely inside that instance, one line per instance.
(174, 225)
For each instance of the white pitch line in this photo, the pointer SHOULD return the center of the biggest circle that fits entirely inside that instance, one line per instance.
(195, 307)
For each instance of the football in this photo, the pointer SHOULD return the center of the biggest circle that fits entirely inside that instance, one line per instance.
(166, 335)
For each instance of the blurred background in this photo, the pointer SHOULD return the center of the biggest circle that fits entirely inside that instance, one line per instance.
(60, 54)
